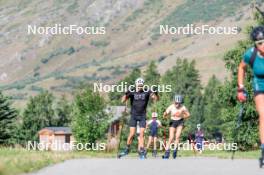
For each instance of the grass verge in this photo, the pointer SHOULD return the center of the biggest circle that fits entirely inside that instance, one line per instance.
(18, 161)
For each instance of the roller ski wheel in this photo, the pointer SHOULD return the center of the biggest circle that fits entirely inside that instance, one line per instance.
(142, 157)
(142, 154)
(174, 155)
(261, 162)
(120, 155)
(123, 154)
(154, 153)
(166, 155)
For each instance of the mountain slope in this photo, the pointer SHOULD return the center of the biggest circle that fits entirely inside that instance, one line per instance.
(30, 63)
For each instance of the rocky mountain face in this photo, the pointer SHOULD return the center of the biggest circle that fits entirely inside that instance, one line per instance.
(30, 63)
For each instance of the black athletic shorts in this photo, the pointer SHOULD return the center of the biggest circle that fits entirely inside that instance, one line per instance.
(134, 119)
(258, 92)
(176, 123)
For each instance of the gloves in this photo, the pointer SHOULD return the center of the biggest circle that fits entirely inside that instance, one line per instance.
(241, 95)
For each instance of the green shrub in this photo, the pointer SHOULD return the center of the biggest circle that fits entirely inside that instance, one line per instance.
(99, 43)
(20, 96)
(36, 88)
(57, 52)
(118, 71)
(89, 122)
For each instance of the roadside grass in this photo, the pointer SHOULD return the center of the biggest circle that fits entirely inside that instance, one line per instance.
(222, 154)
(208, 153)
(15, 161)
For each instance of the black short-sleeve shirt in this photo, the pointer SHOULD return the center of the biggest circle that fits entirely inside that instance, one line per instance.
(139, 101)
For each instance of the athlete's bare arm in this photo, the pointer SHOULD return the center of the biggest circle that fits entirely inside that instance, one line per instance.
(147, 125)
(165, 114)
(240, 81)
(186, 114)
(124, 99)
(241, 72)
(154, 97)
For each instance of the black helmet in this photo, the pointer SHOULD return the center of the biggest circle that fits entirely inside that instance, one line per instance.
(257, 33)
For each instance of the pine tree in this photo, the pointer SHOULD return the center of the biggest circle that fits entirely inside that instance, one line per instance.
(7, 120)
(212, 109)
(161, 106)
(63, 112)
(152, 76)
(184, 79)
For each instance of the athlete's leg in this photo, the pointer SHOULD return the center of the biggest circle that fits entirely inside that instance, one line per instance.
(259, 100)
(177, 140)
(154, 152)
(141, 138)
(149, 141)
(171, 137)
(138, 141)
(178, 134)
(132, 131)
(142, 125)
(155, 143)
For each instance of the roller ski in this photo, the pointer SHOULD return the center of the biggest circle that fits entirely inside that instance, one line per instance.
(142, 154)
(166, 155)
(261, 159)
(174, 155)
(123, 154)
(261, 162)
(154, 153)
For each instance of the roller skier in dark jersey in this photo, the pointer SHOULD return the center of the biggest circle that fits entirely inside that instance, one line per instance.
(139, 101)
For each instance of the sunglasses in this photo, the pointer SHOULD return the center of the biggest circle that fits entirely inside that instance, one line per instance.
(259, 43)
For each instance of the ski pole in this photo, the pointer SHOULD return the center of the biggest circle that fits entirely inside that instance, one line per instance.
(120, 138)
(121, 129)
(238, 124)
(164, 136)
(193, 145)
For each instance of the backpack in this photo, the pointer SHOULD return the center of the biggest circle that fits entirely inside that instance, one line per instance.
(253, 57)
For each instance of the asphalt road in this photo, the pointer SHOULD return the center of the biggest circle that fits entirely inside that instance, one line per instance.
(133, 166)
